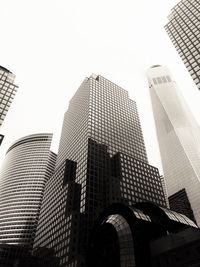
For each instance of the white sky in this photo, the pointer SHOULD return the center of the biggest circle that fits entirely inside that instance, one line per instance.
(52, 45)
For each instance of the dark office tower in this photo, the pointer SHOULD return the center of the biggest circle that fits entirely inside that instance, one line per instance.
(101, 160)
(27, 166)
(178, 137)
(7, 91)
(183, 29)
(179, 202)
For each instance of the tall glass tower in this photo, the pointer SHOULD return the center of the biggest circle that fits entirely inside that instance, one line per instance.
(178, 137)
(183, 29)
(7, 91)
(27, 166)
(102, 111)
(101, 160)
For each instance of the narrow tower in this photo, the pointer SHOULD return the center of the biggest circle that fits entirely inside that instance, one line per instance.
(178, 137)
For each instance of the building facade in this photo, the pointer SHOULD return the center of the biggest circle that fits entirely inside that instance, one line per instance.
(27, 166)
(178, 137)
(183, 29)
(7, 91)
(179, 202)
(140, 235)
(101, 160)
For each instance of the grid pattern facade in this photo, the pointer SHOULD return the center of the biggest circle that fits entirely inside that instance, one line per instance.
(140, 182)
(101, 110)
(101, 135)
(178, 137)
(114, 119)
(7, 91)
(58, 227)
(183, 29)
(124, 235)
(179, 202)
(27, 166)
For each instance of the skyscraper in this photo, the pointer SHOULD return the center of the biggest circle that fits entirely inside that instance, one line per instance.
(27, 166)
(7, 91)
(183, 29)
(178, 137)
(101, 161)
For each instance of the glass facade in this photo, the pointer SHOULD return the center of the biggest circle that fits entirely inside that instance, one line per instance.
(101, 160)
(140, 181)
(27, 166)
(125, 240)
(123, 235)
(179, 202)
(7, 91)
(178, 137)
(183, 29)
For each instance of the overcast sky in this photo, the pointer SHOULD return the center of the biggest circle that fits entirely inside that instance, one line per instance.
(52, 45)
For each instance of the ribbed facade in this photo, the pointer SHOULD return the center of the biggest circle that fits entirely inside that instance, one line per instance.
(183, 29)
(27, 166)
(178, 137)
(7, 91)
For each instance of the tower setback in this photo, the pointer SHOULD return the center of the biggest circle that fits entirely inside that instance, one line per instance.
(101, 160)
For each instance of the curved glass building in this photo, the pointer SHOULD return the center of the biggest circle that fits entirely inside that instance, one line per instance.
(140, 235)
(27, 166)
